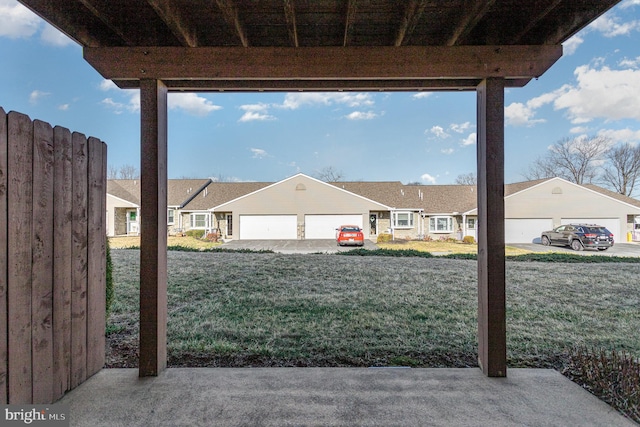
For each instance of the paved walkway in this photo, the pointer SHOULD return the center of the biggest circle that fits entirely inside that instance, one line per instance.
(335, 397)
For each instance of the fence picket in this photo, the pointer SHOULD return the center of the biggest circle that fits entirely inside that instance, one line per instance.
(20, 207)
(3, 257)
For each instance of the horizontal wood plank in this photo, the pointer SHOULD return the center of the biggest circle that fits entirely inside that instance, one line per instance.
(337, 63)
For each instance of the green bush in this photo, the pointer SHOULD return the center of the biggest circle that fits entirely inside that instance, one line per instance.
(109, 284)
(384, 238)
(468, 240)
(198, 234)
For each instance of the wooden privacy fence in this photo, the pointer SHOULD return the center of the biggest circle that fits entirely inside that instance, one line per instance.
(52, 260)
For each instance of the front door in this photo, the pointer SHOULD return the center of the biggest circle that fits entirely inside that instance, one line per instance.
(132, 222)
(373, 224)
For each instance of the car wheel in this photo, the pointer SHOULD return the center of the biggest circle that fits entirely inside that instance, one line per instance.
(545, 241)
(576, 245)
(602, 249)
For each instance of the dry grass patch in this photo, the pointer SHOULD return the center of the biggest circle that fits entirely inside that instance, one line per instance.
(444, 247)
(186, 241)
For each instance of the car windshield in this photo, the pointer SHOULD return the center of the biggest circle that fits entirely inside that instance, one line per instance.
(346, 229)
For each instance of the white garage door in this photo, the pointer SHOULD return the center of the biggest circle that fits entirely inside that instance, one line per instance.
(525, 230)
(612, 224)
(324, 226)
(268, 227)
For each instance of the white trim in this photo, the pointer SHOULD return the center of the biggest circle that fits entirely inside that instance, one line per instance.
(449, 222)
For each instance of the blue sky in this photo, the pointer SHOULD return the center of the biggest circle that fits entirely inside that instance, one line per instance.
(594, 89)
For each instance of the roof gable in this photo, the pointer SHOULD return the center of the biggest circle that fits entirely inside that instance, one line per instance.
(179, 191)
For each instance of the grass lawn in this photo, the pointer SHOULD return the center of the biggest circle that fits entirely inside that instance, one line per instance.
(244, 309)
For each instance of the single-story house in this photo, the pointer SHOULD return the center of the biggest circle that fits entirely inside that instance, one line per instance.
(123, 204)
(302, 207)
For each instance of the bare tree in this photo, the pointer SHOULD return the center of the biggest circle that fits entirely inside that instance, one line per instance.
(576, 160)
(112, 172)
(330, 174)
(466, 179)
(623, 168)
(128, 172)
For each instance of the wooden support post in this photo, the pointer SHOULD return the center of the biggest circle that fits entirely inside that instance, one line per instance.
(492, 348)
(153, 242)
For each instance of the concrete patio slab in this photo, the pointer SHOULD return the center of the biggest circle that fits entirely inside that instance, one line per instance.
(335, 397)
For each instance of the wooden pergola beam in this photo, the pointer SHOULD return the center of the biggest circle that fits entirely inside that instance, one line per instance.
(318, 63)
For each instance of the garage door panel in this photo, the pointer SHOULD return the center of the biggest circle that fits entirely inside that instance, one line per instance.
(324, 226)
(612, 224)
(268, 227)
(525, 230)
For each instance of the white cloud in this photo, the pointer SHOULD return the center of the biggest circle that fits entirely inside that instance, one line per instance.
(252, 116)
(579, 129)
(461, 127)
(447, 151)
(16, 21)
(570, 46)
(630, 63)
(610, 26)
(428, 178)
(439, 132)
(192, 104)
(621, 135)
(117, 107)
(519, 114)
(63, 107)
(259, 153)
(601, 93)
(421, 95)
(37, 95)
(361, 115)
(53, 37)
(296, 100)
(629, 3)
(106, 85)
(470, 140)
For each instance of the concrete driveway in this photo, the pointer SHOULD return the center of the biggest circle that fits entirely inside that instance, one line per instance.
(295, 246)
(619, 249)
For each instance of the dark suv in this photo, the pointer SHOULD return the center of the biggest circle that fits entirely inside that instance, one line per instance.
(579, 236)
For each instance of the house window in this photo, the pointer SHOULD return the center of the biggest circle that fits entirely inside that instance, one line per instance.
(199, 220)
(229, 225)
(471, 223)
(441, 224)
(170, 216)
(402, 219)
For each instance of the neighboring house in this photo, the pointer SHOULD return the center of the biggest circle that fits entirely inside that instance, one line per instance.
(123, 204)
(301, 207)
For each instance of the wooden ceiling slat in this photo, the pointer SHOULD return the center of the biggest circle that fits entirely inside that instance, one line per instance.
(350, 16)
(179, 25)
(474, 11)
(290, 15)
(230, 13)
(340, 63)
(534, 20)
(412, 14)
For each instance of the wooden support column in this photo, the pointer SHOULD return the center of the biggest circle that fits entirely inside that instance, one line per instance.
(492, 348)
(153, 227)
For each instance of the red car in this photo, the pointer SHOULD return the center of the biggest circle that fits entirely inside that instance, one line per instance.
(349, 235)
